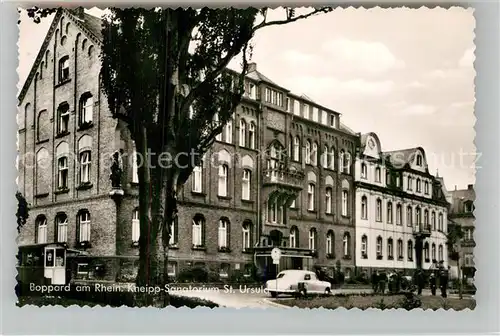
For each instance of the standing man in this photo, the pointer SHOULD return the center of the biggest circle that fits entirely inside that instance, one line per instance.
(443, 281)
(375, 279)
(432, 283)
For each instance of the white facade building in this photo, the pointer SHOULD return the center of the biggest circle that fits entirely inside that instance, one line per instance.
(396, 198)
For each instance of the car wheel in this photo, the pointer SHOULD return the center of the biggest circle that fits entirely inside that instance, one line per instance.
(274, 294)
(327, 291)
(303, 292)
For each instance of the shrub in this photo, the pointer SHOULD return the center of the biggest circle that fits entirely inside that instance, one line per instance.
(410, 301)
(195, 274)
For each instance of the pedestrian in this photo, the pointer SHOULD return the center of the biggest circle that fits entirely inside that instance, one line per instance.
(419, 279)
(375, 278)
(382, 281)
(443, 281)
(432, 283)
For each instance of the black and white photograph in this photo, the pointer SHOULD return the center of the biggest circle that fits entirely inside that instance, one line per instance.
(311, 157)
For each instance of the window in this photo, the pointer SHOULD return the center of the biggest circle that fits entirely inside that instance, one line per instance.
(85, 162)
(345, 195)
(62, 172)
(296, 149)
(312, 239)
(409, 183)
(433, 253)
(245, 185)
(325, 158)
(364, 247)
(84, 222)
(197, 186)
(468, 234)
(409, 216)
(419, 160)
(308, 152)
(332, 120)
(379, 210)
(332, 158)
(426, 187)
(364, 207)
(246, 236)
(198, 228)
(469, 259)
(243, 131)
(328, 200)
(426, 251)
(223, 233)
(63, 69)
(310, 197)
(389, 212)
(347, 162)
(390, 249)
(86, 109)
(135, 226)
(440, 222)
(218, 137)
(293, 236)
(62, 228)
(419, 186)
(346, 242)
(364, 171)
(400, 249)
(306, 111)
(379, 247)
(251, 136)
(378, 175)
(223, 175)
(440, 253)
(228, 131)
(342, 161)
(433, 221)
(63, 118)
(399, 214)
(314, 154)
(418, 217)
(272, 212)
(315, 114)
(41, 229)
(329, 242)
(172, 268)
(135, 166)
(410, 250)
(174, 229)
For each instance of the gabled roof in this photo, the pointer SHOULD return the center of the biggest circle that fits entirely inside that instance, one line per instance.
(88, 23)
(346, 129)
(259, 77)
(403, 156)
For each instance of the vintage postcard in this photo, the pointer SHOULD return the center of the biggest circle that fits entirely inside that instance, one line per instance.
(232, 157)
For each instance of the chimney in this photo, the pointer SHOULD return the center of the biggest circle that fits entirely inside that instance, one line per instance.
(455, 187)
(470, 186)
(252, 67)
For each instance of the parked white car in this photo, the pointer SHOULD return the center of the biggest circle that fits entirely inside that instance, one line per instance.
(297, 282)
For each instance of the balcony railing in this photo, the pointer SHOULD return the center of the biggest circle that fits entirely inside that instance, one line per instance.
(422, 230)
(284, 177)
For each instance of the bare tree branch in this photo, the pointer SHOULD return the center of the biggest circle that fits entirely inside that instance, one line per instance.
(290, 19)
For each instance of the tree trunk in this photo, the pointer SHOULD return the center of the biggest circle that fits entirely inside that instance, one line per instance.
(460, 276)
(169, 218)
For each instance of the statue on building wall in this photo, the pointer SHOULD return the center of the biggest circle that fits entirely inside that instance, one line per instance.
(116, 169)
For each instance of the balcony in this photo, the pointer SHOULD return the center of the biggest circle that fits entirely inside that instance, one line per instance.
(422, 231)
(283, 177)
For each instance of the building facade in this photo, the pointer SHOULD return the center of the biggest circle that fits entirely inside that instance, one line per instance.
(462, 214)
(397, 200)
(283, 174)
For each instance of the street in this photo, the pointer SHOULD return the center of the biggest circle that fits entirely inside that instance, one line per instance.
(243, 297)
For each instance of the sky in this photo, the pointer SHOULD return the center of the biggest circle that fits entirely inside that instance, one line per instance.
(405, 74)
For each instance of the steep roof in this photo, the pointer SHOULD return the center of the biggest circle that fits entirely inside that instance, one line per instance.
(88, 23)
(402, 156)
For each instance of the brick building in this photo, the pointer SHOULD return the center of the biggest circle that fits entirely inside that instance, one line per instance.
(462, 214)
(284, 175)
(397, 199)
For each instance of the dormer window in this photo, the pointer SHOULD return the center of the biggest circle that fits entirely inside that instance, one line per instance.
(332, 120)
(468, 207)
(64, 69)
(419, 160)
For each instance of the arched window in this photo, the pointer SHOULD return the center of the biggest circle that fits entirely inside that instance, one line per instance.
(307, 158)
(330, 239)
(43, 125)
(62, 172)
(410, 183)
(409, 216)
(310, 197)
(345, 197)
(347, 161)
(400, 249)
(174, 232)
(390, 249)
(389, 212)
(41, 229)
(433, 220)
(410, 250)
(312, 239)
(198, 229)
(85, 114)
(314, 154)
(84, 226)
(433, 252)
(43, 172)
(364, 171)
(85, 162)
(364, 247)
(197, 186)
(296, 149)
(223, 179)
(419, 160)
(247, 235)
(379, 247)
(328, 200)
(364, 207)
(228, 131)
(332, 158)
(325, 157)
(418, 217)
(426, 218)
(243, 132)
(379, 210)
(223, 233)
(419, 185)
(378, 175)
(399, 214)
(342, 161)
(251, 136)
(63, 118)
(440, 253)
(63, 69)
(62, 227)
(440, 222)
(426, 187)
(216, 123)
(245, 184)
(346, 244)
(135, 226)
(294, 237)
(426, 252)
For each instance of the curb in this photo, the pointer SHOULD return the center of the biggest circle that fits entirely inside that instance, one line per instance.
(274, 304)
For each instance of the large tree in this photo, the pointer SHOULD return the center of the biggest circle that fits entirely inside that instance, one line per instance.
(165, 75)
